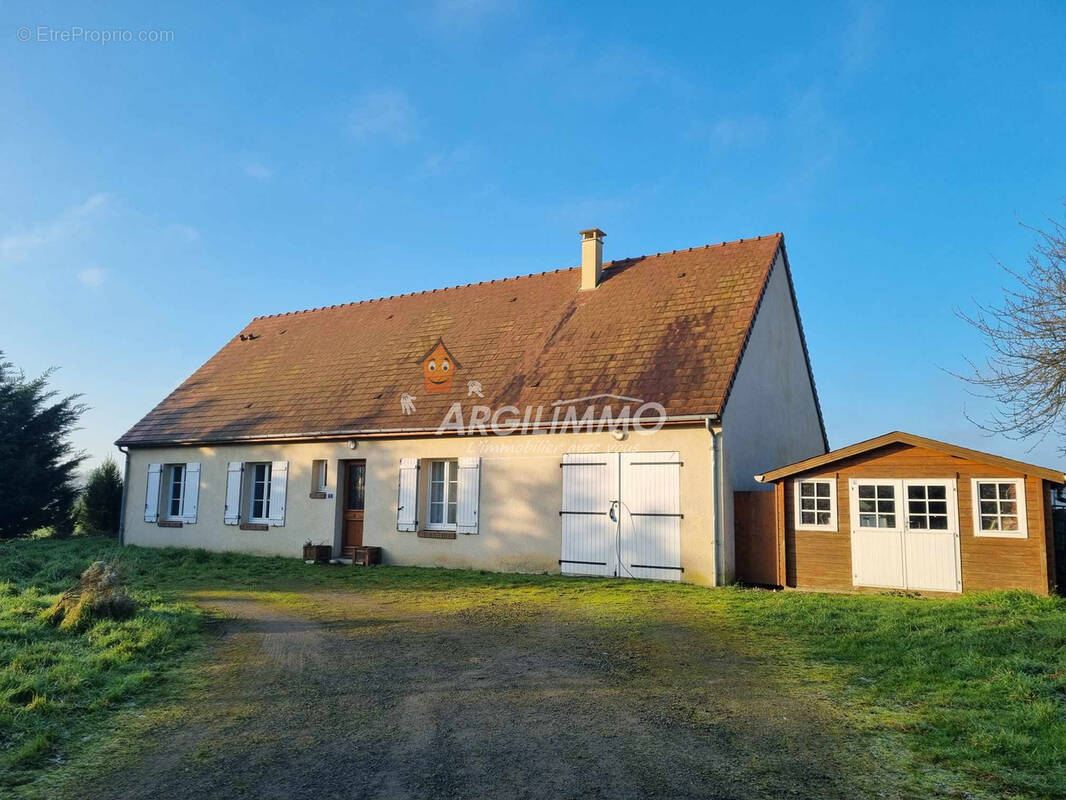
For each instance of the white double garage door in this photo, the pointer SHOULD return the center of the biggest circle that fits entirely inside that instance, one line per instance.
(621, 515)
(905, 534)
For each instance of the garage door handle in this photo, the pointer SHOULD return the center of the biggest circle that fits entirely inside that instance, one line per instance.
(613, 513)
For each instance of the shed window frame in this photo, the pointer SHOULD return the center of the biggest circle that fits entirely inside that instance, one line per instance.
(1019, 502)
(799, 497)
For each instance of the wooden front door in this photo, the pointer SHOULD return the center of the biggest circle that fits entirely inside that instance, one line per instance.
(354, 501)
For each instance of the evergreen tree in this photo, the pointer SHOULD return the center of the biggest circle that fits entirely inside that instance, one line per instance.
(99, 506)
(37, 461)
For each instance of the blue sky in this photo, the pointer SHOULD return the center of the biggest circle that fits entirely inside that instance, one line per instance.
(155, 196)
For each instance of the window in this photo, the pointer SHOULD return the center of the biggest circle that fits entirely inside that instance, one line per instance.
(876, 505)
(259, 494)
(927, 507)
(175, 491)
(999, 507)
(319, 475)
(816, 504)
(443, 495)
(356, 499)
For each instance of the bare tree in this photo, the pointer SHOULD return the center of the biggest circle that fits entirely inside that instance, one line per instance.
(1025, 373)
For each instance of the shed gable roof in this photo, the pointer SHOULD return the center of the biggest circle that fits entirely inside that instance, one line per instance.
(899, 437)
(667, 328)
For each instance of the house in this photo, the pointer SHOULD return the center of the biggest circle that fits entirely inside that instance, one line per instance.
(594, 420)
(904, 512)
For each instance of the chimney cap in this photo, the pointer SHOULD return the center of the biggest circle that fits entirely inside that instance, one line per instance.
(592, 233)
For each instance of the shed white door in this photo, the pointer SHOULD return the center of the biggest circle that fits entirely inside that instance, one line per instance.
(931, 536)
(904, 534)
(621, 515)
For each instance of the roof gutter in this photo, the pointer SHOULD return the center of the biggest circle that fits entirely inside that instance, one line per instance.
(125, 493)
(385, 433)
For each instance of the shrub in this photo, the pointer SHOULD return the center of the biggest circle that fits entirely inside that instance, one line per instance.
(100, 504)
(99, 594)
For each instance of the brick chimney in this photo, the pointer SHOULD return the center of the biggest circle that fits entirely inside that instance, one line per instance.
(591, 258)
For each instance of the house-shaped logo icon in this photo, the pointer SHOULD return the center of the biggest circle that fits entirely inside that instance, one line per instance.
(438, 369)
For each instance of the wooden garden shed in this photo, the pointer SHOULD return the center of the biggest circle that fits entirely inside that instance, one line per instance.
(903, 512)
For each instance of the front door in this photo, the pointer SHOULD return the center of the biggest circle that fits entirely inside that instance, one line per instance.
(354, 501)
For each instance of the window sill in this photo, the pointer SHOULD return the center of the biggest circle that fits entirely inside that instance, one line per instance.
(317, 495)
(254, 526)
(425, 534)
(818, 528)
(1001, 535)
(169, 523)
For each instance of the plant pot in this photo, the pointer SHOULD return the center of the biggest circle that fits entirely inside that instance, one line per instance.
(318, 553)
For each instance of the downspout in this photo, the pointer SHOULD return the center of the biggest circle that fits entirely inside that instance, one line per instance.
(716, 508)
(125, 489)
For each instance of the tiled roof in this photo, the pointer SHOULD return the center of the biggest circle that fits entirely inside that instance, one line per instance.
(668, 328)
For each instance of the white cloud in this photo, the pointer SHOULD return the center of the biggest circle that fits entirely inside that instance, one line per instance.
(186, 233)
(93, 277)
(258, 170)
(730, 132)
(457, 14)
(861, 37)
(444, 162)
(18, 246)
(384, 115)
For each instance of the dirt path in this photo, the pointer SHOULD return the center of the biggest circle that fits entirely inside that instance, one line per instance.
(369, 699)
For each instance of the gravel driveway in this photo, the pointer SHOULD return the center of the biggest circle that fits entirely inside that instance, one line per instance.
(336, 694)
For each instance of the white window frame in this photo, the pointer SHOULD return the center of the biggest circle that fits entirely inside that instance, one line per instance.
(1023, 523)
(168, 491)
(250, 470)
(856, 516)
(951, 499)
(800, 525)
(451, 474)
(320, 478)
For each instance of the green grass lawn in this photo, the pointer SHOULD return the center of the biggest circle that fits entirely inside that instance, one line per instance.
(973, 687)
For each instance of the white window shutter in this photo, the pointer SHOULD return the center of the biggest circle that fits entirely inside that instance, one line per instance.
(279, 480)
(234, 475)
(469, 490)
(407, 496)
(151, 493)
(192, 492)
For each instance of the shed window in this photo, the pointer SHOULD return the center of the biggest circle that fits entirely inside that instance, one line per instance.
(816, 505)
(999, 507)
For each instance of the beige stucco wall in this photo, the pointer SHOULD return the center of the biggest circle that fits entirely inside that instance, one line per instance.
(771, 416)
(521, 492)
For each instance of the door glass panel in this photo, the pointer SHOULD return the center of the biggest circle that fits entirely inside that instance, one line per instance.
(877, 505)
(927, 507)
(356, 487)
